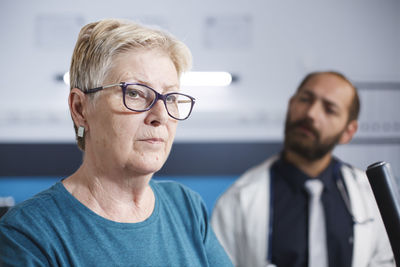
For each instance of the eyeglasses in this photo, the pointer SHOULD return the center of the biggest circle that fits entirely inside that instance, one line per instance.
(139, 97)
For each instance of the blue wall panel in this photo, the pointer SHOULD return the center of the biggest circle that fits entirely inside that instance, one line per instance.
(209, 187)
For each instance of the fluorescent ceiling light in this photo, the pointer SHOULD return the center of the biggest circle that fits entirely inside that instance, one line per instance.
(66, 78)
(195, 78)
(203, 78)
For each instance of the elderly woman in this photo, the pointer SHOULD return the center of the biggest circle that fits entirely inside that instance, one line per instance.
(125, 105)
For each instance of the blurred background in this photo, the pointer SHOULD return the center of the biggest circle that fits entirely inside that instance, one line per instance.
(267, 47)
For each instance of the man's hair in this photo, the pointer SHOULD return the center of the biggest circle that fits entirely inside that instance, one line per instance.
(354, 108)
(100, 42)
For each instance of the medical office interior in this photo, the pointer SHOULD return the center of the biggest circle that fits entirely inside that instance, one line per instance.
(264, 48)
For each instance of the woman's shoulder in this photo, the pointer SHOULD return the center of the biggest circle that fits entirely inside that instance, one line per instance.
(177, 194)
(32, 209)
(173, 188)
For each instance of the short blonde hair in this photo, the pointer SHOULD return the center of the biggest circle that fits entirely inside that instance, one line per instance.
(100, 42)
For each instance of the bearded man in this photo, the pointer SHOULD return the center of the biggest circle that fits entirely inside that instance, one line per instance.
(306, 207)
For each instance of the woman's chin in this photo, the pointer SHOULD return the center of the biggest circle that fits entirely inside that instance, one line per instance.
(147, 166)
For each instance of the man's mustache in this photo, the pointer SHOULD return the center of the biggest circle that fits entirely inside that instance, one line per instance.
(304, 123)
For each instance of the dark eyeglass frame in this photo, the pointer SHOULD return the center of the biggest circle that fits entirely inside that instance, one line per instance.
(159, 96)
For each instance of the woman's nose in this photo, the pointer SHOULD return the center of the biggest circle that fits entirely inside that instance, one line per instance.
(157, 114)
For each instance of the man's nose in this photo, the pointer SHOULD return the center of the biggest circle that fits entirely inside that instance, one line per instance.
(314, 110)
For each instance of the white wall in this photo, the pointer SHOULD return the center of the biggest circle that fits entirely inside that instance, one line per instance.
(269, 45)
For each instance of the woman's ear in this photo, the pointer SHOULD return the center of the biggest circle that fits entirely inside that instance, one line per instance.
(349, 132)
(77, 106)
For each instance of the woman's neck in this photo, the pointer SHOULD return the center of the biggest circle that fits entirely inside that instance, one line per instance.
(118, 197)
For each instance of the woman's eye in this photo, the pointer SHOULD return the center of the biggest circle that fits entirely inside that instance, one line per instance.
(171, 98)
(133, 93)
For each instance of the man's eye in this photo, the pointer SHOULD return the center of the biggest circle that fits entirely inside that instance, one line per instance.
(304, 99)
(330, 111)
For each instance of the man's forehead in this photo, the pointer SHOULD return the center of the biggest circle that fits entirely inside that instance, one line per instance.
(329, 88)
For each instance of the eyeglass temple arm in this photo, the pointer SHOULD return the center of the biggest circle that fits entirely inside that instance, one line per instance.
(185, 101)
(94, 90)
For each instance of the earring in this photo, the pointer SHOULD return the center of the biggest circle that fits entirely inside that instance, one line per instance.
(81, 131)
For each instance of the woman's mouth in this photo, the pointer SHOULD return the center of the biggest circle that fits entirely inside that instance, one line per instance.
(153, 140)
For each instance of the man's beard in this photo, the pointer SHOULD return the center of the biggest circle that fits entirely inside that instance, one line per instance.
(313, 150)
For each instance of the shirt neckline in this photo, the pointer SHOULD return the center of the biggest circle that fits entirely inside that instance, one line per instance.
(81, 208)
(296, 178)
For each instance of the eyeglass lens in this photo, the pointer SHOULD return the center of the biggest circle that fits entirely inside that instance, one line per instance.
(139, 98)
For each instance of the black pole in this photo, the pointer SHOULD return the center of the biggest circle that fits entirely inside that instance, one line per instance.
(387, 197)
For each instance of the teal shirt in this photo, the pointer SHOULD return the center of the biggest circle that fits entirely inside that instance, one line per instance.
(54, 229)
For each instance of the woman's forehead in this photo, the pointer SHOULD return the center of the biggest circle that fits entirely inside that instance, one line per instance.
(150, 67)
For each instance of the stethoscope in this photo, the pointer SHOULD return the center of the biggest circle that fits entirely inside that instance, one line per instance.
(346, 199)
(343, 194)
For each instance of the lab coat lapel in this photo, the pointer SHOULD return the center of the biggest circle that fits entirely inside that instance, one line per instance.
(362, 240)
(255, 201)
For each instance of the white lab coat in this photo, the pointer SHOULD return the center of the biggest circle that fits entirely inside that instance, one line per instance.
(241, 214)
